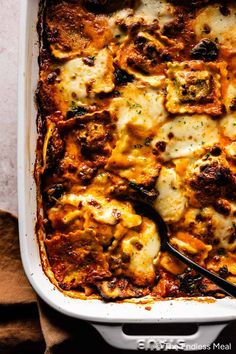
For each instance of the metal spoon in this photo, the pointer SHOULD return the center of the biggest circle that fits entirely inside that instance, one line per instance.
(148, 210)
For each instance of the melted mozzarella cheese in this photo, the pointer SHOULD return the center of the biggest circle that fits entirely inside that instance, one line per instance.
(103, 211)
(146, 10)
(142, 249)
(171, 201)
(219, 227)
(140, 105)
(77, 79)
(221, 27)
(228, 125)
(151, 10)
(188, 134)
(186, 242)
(223, 227)
(139, 111)
(231, 150)
(228, 260)
(230, 94)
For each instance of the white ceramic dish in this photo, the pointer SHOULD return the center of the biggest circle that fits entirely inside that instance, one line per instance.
(108, 318)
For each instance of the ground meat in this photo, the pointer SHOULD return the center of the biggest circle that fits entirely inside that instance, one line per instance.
(94, 138)
(86, 172)
(173, 28)
(213, 182)
(222, 206)
(167, 286)
(209, 288)
(120, 288)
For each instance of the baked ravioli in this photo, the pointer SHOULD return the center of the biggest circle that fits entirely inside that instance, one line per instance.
(136, 100)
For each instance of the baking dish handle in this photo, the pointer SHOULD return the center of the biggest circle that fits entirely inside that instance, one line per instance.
(206, 334)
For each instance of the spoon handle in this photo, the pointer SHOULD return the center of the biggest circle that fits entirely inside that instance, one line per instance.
(228, 287)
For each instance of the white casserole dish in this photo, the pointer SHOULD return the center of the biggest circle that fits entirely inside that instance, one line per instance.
(212, 316)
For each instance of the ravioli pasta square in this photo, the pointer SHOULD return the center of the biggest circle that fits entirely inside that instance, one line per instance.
(194, 87)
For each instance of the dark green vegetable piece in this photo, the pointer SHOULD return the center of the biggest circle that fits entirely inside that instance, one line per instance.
(190, 282)
(53, 193)
(76, 111)
(205, 50)
(122, 77)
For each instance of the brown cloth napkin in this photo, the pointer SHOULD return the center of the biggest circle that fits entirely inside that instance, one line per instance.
(29, 326)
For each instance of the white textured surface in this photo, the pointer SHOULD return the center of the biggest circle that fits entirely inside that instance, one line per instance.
(9, 25)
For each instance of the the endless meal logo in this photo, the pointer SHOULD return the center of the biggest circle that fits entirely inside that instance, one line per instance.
(178, 344)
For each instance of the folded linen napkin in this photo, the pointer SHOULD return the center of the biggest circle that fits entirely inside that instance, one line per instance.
(29, 326)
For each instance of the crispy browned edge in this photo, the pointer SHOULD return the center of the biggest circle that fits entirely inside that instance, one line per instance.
(39, 226)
